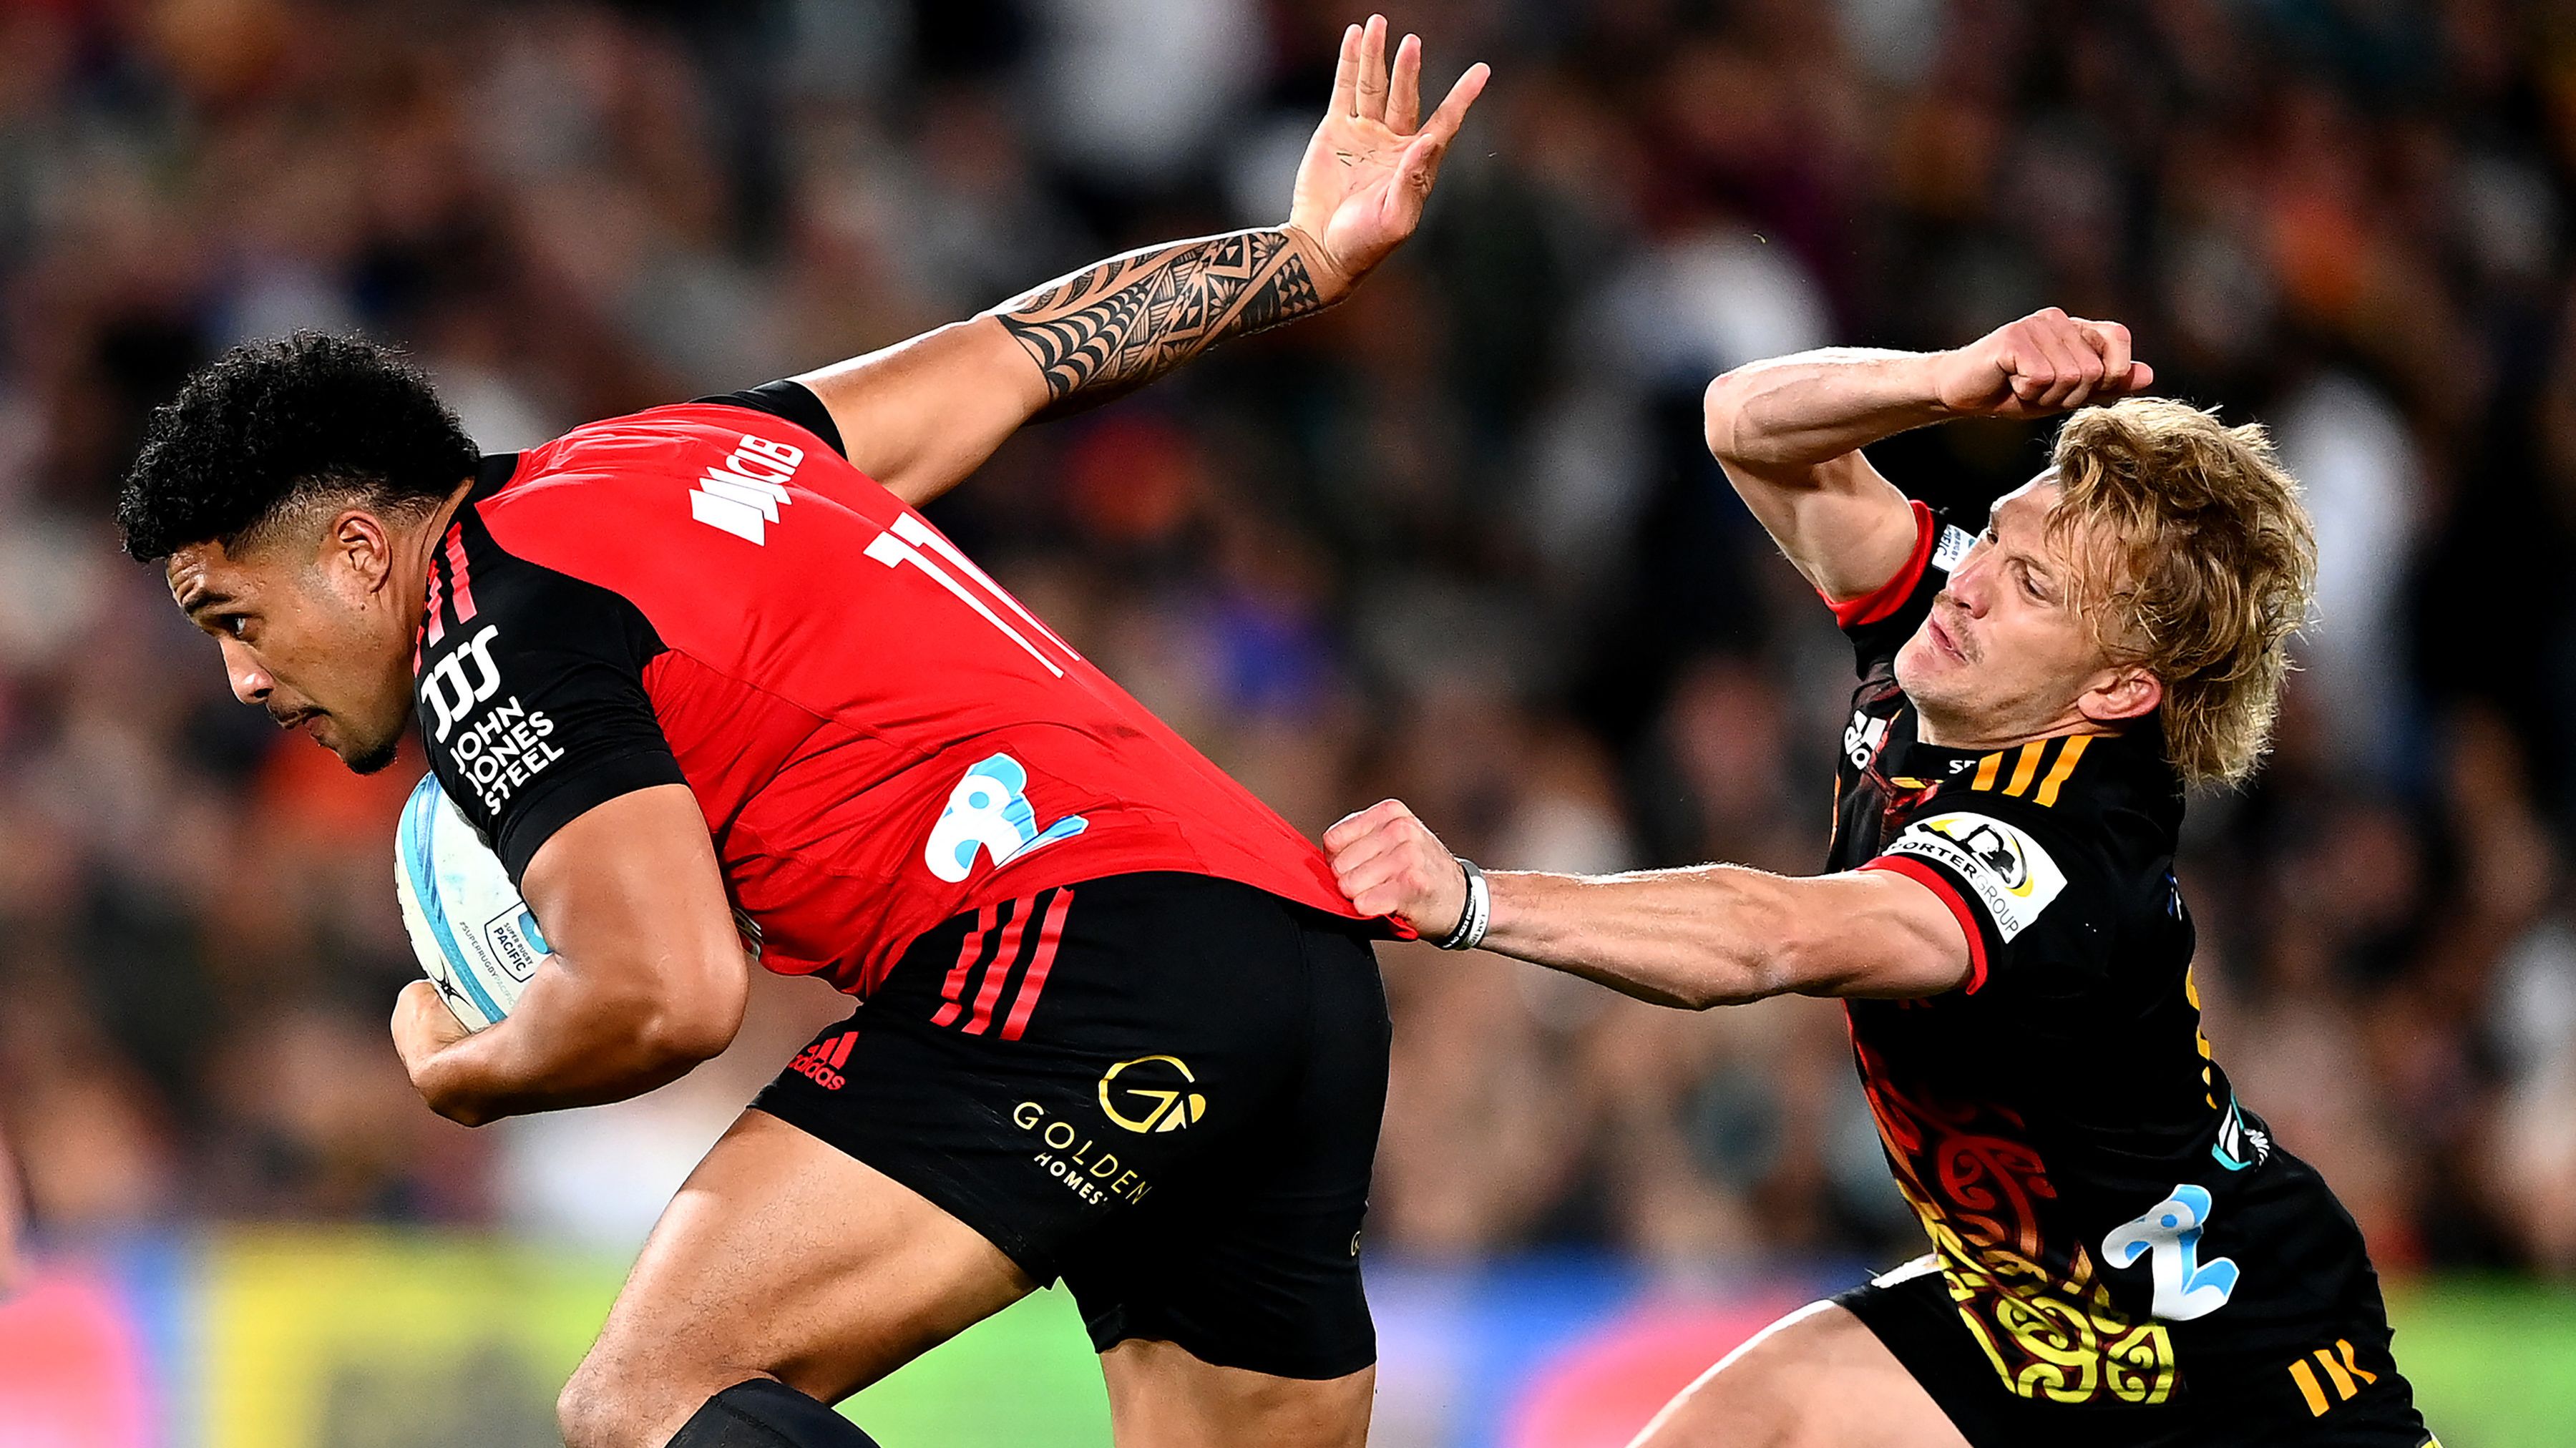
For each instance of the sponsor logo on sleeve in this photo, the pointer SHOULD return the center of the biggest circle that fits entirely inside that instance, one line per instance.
(2012, 876)
(496, 749)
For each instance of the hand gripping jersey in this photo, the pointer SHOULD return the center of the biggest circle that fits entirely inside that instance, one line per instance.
(2114, 1227)
(880, 737)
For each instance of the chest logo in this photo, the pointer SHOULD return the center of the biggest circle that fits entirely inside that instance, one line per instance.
(2012, 876)
(989, 813)
(2168, 1236)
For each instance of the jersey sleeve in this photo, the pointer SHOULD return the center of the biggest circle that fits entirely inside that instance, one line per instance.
(533, 703)
(2031, 891)
(1879, 622)
(791, 400)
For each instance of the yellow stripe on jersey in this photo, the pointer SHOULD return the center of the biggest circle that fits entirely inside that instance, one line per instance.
(2309, 1388)
(1987, 769)
(2066, 757)
(2026, 768)
(2365, 1374)
(2345, 1387)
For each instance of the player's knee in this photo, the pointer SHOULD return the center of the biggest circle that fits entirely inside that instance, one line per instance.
(601, 1408)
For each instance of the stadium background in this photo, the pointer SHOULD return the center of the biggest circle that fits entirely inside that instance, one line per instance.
(1457, 542)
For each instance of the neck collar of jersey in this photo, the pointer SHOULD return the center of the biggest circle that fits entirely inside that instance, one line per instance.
(492, 475)
(1909, 757)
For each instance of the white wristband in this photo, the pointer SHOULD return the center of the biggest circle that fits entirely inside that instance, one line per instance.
(1479, 913)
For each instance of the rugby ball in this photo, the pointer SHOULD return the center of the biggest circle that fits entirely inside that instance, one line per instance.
(476, 939)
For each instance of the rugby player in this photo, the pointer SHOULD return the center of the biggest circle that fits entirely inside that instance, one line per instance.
(2121, 1253)
(704, 670)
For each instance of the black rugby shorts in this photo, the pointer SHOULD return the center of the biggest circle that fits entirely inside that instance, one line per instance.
(1163, 1088)
(1910, 1311)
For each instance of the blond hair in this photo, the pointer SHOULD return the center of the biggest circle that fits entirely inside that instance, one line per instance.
(2210, 566)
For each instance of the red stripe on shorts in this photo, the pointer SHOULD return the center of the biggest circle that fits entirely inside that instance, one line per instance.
(1050, 936)
(954, 991)
(998, 974)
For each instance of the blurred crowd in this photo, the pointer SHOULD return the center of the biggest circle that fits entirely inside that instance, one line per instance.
(1456, 542)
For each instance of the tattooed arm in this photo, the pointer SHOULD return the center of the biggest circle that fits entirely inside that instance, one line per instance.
(921, 415)
(1121, 324)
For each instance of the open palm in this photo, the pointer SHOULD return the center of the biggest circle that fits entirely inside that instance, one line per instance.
(1361, 188)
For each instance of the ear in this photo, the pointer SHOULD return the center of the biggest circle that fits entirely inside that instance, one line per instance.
(2126, 692)
(358, 546)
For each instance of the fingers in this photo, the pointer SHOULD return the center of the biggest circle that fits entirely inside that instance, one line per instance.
(1404, 91)
(2112, 341)
(1444, 123)
(1372, 92)
(2056, 362)
(2075, 365)
(1396, 866)
(1346, 75)
(2122, 374)
(1351, 826)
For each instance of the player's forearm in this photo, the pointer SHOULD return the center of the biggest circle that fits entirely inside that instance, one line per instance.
(1705, 936)
(567, 1045)
(1119, 324)
(921, 415)
(1775, 419)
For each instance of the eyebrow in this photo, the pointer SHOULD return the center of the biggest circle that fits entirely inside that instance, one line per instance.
(2032, 563)
(203, 599)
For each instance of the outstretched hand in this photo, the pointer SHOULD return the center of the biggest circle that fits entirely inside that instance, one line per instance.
(1389, 863)
(2048, 362)
(1368, 172)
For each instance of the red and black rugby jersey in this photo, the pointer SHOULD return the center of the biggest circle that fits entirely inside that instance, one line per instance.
(880, 736)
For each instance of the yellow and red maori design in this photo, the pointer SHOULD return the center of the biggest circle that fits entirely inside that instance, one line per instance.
(2045, 1322)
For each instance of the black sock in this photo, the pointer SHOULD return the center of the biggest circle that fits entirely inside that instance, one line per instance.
(764, 1413)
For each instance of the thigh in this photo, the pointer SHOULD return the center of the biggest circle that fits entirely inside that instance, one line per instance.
(1817, 1377)
(1045, 1066)
(1163, 1396)
(784, 1257)
(1249, 1258)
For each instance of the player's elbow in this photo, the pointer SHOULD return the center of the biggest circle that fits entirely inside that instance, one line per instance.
(1797, 948)
(694, 1013)
(1731, 421)
(1722, 416)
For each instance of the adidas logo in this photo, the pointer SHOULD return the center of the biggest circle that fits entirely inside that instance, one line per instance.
(822, 1061)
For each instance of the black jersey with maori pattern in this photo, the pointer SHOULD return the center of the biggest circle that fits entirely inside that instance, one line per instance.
(2113, 1225)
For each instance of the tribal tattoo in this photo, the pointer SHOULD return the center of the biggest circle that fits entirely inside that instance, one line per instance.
(1127, 321)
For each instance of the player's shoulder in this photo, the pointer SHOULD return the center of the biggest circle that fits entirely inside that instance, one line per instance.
(2091, 811)
(647, 482)
(2117, 787)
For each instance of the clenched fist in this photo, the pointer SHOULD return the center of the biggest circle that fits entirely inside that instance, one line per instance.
(2047, 362)
(1389, 863)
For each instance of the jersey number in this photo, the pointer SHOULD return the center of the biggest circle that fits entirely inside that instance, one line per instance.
(913, 541)
(2168, 1236)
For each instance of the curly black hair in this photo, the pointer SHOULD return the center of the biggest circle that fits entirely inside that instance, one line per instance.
(273, 424)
